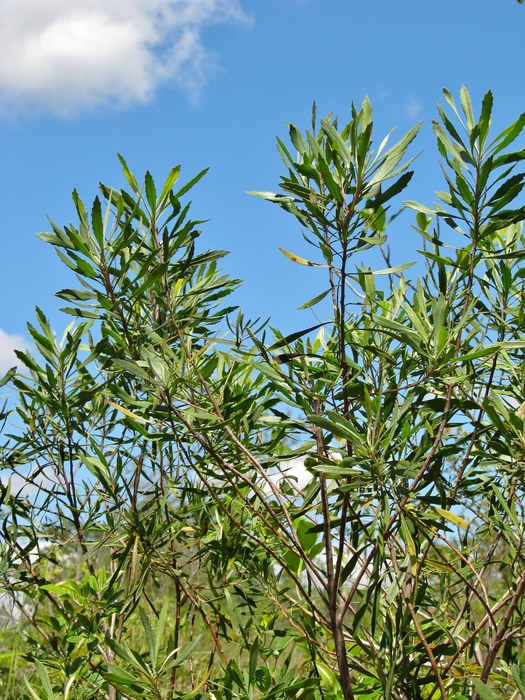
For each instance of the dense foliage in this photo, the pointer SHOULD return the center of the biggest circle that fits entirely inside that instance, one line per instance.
(156, 542)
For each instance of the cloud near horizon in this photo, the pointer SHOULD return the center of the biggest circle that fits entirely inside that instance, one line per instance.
(8, 345)
(69, 57)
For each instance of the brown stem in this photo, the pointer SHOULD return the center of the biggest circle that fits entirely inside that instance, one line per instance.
(498, 641)
(336, 618)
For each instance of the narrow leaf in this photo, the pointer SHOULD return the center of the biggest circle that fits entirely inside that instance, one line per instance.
(509, 134)
(129, 413)
(393, 156)
(132, 180)
(96, 222)
(172, 178)
(191, 183)
(297, 139)
(390, 270)
(44, 678)
(452, 517)
(297, 259)
(518, 674)
(315, 300)
(483, 691)
(466, 105)
(8, 376)
(151, 193)
(294, 336)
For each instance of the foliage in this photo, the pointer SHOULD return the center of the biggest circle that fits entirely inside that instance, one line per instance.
(155, 540)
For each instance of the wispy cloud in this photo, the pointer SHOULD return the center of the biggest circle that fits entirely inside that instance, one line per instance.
(412, 108)
(8, 345)
(67, 57)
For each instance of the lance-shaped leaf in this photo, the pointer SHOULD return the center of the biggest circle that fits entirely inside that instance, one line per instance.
(393, 156)
(297, 259)
(315, 300)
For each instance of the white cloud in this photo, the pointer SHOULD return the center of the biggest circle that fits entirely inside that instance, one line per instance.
(412, 108)
(68, 56)
(293, 470)
(8, 344)
(25, 486)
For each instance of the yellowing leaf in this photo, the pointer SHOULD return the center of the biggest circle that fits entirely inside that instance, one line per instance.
(437, 565)
(128, 413)
(407, 537)
(300, 261)
(452, 517)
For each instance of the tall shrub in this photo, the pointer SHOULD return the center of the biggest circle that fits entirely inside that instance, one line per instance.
(160, 545)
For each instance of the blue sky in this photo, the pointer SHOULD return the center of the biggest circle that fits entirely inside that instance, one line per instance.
(211, 83)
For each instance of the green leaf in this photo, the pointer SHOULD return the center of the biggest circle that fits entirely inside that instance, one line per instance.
(332, 132)
(328, 677)
(390, 270)
(419, 207)
(315, 300)
(306, 538)
(79, 313)
(391, 191)
(483, 691)
(407, 538)
(121, 677)
(329, 181)
(485, 118)
(150, 637)
(438, 317)
(97, 223)
(235, 619)
(85, 269)
(447, 123)
(475, 354)
(337, 425)
(466, 105)
(172, 178)
(8, 376)
(297, 139)
(151, 193)
(349, 567)
(374, 240)
(450, 99)
(294, 336)
(235, 673)
(187, 187)
(254, 656)
(132, 181)
(506, 186)
(518, 674)
(465, 190)
(393, 156)
(512, 515)
(393, 325)
(44, 678)
(75, 295)
(32, 691)
(150, 280)
(183, 653)
(159, 632)
(508, 135)
(263, 679)
(454, 149)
